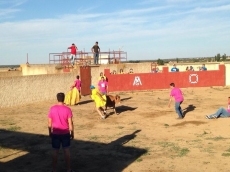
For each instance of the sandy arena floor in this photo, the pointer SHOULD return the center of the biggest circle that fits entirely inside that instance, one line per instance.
(145, 136)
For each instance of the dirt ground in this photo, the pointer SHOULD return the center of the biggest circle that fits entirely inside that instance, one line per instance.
(145, 136)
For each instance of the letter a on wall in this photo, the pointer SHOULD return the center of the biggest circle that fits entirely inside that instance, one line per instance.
(137, 81)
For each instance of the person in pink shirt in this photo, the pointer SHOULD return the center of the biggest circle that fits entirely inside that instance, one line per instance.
(221, 112)
(103, 86)
(77, 83)
(178, 96)
(73, 52)
(60, 125)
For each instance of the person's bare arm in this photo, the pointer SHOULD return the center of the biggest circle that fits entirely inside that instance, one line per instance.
(50, 126)
(170, 100)
(71, 128)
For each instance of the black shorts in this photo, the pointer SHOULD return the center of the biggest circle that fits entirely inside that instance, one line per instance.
(59, 140)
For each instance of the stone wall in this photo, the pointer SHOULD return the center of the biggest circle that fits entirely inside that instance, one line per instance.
(26, 89)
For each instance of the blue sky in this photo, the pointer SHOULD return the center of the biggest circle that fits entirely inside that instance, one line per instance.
(145, 29)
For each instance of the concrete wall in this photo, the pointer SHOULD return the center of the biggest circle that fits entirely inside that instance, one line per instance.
(227, 65)
(42, 82)
(26, 89)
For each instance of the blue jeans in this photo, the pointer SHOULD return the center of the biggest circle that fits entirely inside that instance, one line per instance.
(221, 112)
(96, 57)
(178, 109)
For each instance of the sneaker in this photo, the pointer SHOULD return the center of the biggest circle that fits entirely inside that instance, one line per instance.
(207, 117)
(103, 117)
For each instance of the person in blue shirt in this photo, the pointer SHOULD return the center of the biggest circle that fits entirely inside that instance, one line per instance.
(174, 68)
(203, 68)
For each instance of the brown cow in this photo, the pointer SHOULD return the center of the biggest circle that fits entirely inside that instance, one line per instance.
(111, 101)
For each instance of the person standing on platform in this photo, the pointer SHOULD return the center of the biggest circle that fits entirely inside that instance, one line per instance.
(73, 52)
(96, 50)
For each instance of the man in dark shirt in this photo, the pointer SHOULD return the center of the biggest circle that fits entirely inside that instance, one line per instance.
(96, 50)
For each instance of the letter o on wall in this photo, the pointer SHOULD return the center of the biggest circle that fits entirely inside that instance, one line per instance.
(193, 78)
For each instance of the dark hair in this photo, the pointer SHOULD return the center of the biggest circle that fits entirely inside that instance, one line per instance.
(172, 84)
(96, 42)
(78, 77)
(60, 97)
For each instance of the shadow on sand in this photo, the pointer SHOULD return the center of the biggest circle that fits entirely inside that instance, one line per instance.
(124, 108)
(188, 109)
(32, 152)
(125, 99)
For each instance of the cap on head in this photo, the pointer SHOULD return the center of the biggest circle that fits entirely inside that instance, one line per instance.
(92, 87)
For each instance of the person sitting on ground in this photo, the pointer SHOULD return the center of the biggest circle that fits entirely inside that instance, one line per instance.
(130, 70)
(221, 112)
(100, 101)
(174, 68)
(203, 68)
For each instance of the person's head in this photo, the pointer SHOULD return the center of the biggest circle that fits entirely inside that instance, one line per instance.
(60, 97)
(73, 44)
(174, 65)
(130, 70)
(172, 85)
(96, 42)
(101, 74)
(78, 77)
(114, 72)
(92, 87)
(203, 65)
(121, 70)
(187, 68)
(102, 78)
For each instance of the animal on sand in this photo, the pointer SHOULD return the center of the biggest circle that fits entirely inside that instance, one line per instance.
(111, 102)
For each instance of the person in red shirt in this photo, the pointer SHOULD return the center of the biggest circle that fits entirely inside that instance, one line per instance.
(73, 52)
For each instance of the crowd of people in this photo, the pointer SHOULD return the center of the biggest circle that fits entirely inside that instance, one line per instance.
(60, 117)
(189, 68)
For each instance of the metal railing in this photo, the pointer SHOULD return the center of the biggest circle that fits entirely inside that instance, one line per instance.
(87, 58)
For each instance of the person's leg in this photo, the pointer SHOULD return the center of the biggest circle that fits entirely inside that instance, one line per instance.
(65, 145)
(56, 146)
(73, 59)
(97, 57)
(99, 111)
(178, 109)
(221, 112)
(94, 58)
(67, 158)
(55, 158)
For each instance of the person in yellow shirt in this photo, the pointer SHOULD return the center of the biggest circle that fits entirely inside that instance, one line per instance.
(100, 101)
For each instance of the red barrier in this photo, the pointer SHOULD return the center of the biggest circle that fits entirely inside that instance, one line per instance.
(149, 81)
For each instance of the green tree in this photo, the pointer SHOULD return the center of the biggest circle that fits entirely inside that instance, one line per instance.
(177, 60)
(224, 57)
(217, 57)
(160, 62)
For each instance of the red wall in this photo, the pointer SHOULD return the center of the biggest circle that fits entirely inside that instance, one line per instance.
(149, 81)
